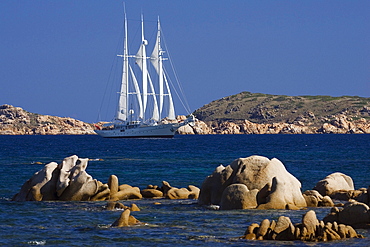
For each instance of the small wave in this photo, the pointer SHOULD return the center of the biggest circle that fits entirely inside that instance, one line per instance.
(96, 159)
(37, 242)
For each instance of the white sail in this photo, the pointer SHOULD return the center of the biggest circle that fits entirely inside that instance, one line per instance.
(123, 99)
(138, 94)
(155, 115)
(171, 107)
(156, 59)
(141, 61)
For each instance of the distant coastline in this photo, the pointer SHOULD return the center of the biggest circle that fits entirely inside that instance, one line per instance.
(243, 113)
(257, 113)
(16, 121)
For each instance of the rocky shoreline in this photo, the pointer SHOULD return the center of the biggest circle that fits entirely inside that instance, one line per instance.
(341, 124)
(16, 121)
(254, 182)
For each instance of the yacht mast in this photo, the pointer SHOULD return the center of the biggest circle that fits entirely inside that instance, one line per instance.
(157, 61)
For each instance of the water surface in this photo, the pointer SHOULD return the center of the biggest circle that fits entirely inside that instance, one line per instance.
(181, 161)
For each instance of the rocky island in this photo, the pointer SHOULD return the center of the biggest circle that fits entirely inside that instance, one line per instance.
(16, 121)
(256, 113)
(243, 113)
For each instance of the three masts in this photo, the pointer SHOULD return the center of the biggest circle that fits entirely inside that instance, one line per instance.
(156, 119)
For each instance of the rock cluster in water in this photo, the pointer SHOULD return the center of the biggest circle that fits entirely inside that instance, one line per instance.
(356, 214)
(253, 182)
(69, 181)
(310, 229)
(257, 182)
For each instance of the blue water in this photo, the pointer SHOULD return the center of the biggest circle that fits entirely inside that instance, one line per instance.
(181, 161)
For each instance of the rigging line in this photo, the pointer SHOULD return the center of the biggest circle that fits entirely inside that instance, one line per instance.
(114, 65)
(177, 93)
(181, 97)
(105, 91)
(187, 107)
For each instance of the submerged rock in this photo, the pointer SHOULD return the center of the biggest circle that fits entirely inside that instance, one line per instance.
(169, 192)
(126, 219)
(117, 205)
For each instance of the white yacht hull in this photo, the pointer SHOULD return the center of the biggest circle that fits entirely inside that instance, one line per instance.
(142, 131)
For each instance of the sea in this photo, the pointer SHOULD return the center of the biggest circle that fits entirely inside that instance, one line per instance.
(181, 161)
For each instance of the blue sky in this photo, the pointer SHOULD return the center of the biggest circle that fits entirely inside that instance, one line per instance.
(56, 56)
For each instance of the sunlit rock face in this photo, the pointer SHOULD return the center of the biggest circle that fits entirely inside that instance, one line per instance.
(256, 182)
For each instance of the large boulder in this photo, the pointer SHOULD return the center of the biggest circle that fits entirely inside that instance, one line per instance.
(284, 229)
(238, 196)
(65, 181)
(41, 186)
(65, 171)
(213, 186)
(310, 222)
(312, 197)
(277, 188)
(81, 186)
(334, 182)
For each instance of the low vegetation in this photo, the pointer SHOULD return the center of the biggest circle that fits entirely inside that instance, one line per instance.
(267, 108)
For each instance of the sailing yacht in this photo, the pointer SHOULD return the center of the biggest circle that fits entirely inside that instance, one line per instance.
(151, 120)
